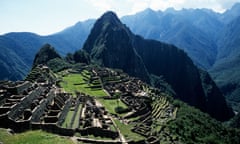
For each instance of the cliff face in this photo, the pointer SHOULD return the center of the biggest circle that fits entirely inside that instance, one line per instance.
(175, 66)
(112, 44)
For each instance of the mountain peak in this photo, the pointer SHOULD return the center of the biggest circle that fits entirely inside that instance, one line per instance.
(109, 17)
(110, 44)
(46, 53)
(109, 14)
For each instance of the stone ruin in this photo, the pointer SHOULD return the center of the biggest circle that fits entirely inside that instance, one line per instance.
(41, 105)
(26, 105)
(94, 120)
(134, 94)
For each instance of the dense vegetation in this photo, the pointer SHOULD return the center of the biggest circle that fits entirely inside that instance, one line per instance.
(193, 126)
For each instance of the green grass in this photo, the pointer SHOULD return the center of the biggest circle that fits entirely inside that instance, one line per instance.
(76, 120)
(75, 82)
(32, 137)
(112, 104)
(126, 131)
(68, 119)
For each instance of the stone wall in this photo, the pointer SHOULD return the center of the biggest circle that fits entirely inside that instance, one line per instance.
(96, 131)
(39, 110)
(25, 102)
(19, 87)
(64, 111)
(21, 126)
(53, 128)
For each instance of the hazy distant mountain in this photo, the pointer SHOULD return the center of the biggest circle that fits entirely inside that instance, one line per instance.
(191, 30)
(17, 53)
(112, 44)
(226, 70)
(17, 50)
(230, 14)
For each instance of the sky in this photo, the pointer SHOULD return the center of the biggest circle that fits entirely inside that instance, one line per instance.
(45, 17)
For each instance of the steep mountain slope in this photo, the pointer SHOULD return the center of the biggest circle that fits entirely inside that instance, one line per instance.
(109, 44)
(226, 70)
(16, 56)
(112, 44)
(191, 30)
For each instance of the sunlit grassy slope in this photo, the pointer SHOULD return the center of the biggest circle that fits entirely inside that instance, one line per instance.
(77, 82)
(32, 137)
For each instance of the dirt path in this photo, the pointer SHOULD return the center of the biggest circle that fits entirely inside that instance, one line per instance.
(122, 138)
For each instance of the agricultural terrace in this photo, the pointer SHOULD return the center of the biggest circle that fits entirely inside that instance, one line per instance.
(74, 82)
(80, 82)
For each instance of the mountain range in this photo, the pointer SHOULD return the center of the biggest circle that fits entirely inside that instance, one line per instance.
(112, 44)
(210, 39)
(17, 50)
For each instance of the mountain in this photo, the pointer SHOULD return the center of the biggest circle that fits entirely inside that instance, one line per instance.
(230, 14)
(226, 70)
(191, 30)
(112, 44)
(18, 49)
(16, 56)
(45, 54)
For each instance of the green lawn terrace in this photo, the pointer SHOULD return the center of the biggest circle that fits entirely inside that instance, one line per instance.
(82, 82)
(41, 74)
